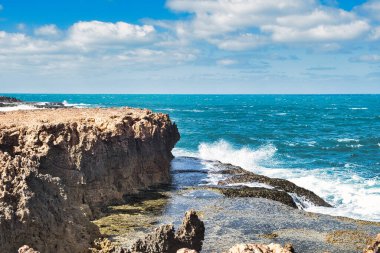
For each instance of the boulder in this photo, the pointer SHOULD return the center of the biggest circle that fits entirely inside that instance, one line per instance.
(190, 235)
(261, 248)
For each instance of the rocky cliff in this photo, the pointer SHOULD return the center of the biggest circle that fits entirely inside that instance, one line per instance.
(58, 167)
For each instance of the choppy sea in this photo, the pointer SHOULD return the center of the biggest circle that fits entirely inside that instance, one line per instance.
(329, 144)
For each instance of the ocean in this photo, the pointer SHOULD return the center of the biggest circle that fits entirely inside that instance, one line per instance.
(329, 144)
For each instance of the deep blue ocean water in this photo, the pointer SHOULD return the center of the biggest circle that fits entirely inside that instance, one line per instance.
(327, 143)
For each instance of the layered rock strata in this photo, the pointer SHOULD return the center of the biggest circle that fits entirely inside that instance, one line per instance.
(59, 167)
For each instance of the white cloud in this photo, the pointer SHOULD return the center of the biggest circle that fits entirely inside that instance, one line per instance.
(47, 30)
(375, 33)
(1, 7)
(370, 8)
(370, 58)
(96, 32)
(280, 20)
(340, 32)
(226, 62)
(241, 42)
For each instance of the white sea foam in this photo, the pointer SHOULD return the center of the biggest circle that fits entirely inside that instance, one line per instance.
(347, 140)
(245, 157)
(77, 105)
(17, 107)
(351, 195)
(359, 108)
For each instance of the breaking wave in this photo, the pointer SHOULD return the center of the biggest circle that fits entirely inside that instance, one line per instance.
(351, 195)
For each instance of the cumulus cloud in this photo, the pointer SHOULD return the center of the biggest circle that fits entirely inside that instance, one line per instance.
(47, 30)
(96, 32)
(370, 8)
(275, 20)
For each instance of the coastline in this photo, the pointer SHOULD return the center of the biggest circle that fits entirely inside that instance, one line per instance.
(29, 137)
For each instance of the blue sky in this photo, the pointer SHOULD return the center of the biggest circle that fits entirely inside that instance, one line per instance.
(190, 46)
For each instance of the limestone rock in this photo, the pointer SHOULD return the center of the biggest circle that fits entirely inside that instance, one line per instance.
(184, 250)
(374, 246)
(260, 248)
(192, 231)
(27, 249)
(190, 235)
(59, 167)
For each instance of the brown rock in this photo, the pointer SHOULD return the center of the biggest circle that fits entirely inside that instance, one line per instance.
(187, 251)
(374, 246)
(161, 240)
(190, 235)
(58, 167)
(260, 248)
(27, 249)
(192, 231)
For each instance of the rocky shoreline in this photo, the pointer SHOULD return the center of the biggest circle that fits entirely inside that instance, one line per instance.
(70, 176)
(60, 167)
(14, 102)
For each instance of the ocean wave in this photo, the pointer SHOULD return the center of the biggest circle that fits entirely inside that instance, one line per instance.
(347, 140)
(358, 108)
(245, 157)
(351, 195)
(17, 107)
(77, 105)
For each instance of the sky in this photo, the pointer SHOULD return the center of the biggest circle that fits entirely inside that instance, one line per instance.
(190, 46)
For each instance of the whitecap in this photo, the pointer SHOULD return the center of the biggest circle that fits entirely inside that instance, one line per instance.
(347, 140)
(358, 108)
(77, 105)
(351, 195)
(18, 107)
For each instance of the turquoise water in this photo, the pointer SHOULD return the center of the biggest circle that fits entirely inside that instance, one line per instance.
(327, 143)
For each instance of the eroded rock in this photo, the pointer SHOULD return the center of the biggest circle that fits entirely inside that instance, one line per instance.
(59, 167)
(261, 248)
(190, 235)
(27, 249)
(374, 246)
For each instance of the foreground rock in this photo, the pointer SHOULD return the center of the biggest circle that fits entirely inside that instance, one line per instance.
(373, 247)
(190, 235)
(261, 248)
(59, 167)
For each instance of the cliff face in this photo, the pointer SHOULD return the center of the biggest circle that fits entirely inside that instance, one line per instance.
(58, 167)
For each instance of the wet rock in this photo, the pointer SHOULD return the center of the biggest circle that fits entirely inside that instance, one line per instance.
(27, 249)
(239, 175)
(258, 192)
(4, 99)
(190, 235)
(103, 245)
(261, 248)
(374, 246)
(258, 248)
(192, 231)
(161, 240)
